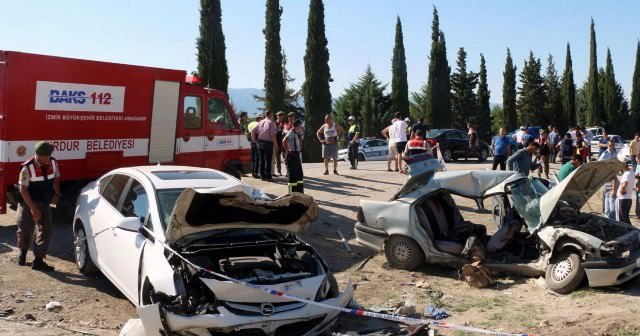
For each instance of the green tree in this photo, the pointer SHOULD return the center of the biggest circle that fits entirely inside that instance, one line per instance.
(291, 95)
(531, 99)
(610, 105)
(367, 101)
(317, 97)
(509, 117)
(463, 99)
(399, 83)
(483, 116)
(274, 81)
(496, 119)
(418, 103)
(635, 91)
(592, 116)
(581, 104)
(438, 95)
(553, 104)
(212, 63)
(568, 94)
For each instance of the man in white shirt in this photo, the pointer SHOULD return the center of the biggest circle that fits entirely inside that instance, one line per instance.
(625, 193)
(400, 132)
(517, 136)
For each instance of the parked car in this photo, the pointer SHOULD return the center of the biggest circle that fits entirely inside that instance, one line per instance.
(596, 131)
(218, 223)
(370, 149)
(595, 149)
(422, 223)
(454, 144)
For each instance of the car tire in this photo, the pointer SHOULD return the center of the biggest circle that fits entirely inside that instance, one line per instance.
(361, 157)
(564, 273)
(81, 252)
(447, 156)
(403, 253)
(483, 155)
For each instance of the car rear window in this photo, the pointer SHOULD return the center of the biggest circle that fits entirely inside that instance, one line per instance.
(187, 175)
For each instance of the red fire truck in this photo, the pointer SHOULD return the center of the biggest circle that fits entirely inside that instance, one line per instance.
(100, 116)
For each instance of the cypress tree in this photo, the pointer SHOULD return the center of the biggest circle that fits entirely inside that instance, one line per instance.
(483, 117)
(635, 91)
(212, 63)
(553, 103)
(509, 94)
(438, 99)
(399, 83)
(531, 98)
(593, 96)
(274, 81)
(568, 94)
(317, 97)
(609, 96)
(463, 98)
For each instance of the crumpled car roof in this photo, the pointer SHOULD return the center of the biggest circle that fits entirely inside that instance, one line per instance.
(472, 183)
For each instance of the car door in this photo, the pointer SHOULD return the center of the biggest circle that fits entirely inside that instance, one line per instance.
(376, 149)
(126, 246)
(103, 218)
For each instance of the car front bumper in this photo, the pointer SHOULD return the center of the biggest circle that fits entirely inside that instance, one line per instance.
(611, 273)
(344, 156)
(307, 320)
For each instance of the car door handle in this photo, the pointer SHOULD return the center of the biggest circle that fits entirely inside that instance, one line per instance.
(210, 137)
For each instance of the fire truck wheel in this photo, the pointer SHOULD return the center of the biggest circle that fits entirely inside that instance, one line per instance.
(232, 171)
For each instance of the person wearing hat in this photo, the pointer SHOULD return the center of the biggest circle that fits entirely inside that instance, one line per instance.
(255, 168)
(353, 139)
(625, 192)
(39, 187)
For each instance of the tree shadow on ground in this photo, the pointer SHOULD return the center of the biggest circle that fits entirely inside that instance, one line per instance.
(336, 186)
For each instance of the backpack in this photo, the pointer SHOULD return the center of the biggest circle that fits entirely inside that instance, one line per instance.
(477, 275)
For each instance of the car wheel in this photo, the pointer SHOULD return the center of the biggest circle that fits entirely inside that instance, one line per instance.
(447, 156)
(82, 254)
(564, 273)
(403, 253)
(484, 154)
(361, 157)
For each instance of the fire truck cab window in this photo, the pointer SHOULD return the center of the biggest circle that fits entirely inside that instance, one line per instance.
(192, 112)
(218, 113)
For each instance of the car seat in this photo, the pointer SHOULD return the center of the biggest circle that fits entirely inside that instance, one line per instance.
(441, 245)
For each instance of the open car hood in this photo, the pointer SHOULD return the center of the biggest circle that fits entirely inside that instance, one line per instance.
(576, 189)
(476, 184)
(238, 206)
(419, 178)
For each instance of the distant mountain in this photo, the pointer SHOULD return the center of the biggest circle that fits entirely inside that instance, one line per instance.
(242, 100)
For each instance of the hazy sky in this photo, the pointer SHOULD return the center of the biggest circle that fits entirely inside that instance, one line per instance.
(162, 33)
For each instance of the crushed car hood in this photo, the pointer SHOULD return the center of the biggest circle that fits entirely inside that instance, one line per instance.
(475, 184)
(238, 206)
(578, 187)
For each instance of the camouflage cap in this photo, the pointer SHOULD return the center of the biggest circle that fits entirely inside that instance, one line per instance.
(44, 148)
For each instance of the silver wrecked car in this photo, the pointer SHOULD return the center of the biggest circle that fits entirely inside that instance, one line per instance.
(541, 231)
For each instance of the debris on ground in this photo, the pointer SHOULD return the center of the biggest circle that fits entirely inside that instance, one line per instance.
(477, 275)
(364, 262)
(54, 306)
(6, 312)
(29, 295)
(435, 313)
(406, 310)
(29, 317)
(423, 284)
(344, 241)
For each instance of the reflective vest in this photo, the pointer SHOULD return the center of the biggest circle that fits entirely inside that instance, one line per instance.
(417, 145)
(41, 179)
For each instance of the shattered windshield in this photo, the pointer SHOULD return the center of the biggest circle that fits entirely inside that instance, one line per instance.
(526, 199)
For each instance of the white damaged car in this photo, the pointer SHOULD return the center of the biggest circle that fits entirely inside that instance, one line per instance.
(541, 231)
(217, 223)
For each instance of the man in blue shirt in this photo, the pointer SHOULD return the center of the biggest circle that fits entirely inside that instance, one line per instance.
(501, 149)
(609, 190)
(520, 161)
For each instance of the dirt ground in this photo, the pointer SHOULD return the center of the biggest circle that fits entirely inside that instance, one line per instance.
(91, 305)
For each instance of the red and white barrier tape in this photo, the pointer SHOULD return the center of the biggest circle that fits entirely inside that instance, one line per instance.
(357, 312)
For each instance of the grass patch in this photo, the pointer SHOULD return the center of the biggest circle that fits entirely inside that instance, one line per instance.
(461, 308)
(582, 293)
(629, 331)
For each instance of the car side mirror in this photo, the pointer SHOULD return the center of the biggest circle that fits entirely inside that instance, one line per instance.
(129, 224)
